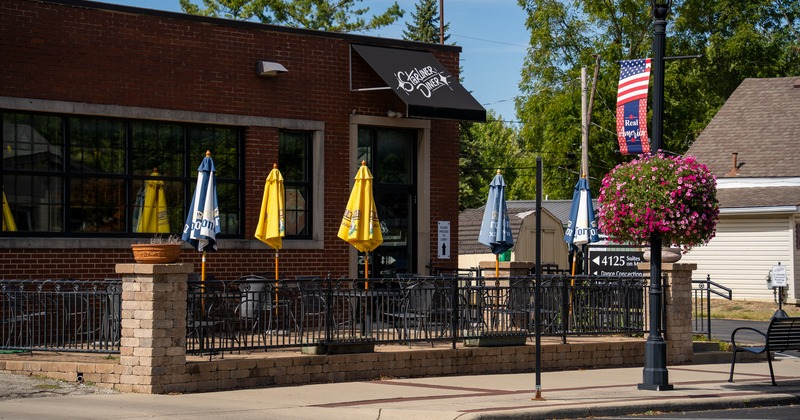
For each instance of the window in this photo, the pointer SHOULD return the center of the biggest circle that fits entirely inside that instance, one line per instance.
(296, 159)
(81, 175)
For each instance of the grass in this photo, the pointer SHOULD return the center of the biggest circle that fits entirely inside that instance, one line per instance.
(748, 310)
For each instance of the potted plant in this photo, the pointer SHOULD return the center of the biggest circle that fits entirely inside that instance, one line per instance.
(673, 196)
(160, 250)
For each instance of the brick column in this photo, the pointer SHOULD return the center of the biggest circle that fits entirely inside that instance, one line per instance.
(153, 343)
(677, 302)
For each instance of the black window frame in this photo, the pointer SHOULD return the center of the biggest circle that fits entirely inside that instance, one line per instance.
(307, 184)
(229, 179)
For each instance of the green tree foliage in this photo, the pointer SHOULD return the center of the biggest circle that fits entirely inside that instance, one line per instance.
(325, 15)
(485, 148)
(424, 25)
(739, 39)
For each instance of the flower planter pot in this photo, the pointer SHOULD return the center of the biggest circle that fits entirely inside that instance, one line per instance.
(668, 255)
(156, 253)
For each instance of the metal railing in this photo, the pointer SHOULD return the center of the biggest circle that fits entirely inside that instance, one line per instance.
(702, 291)
(256, 313)
(60, 315)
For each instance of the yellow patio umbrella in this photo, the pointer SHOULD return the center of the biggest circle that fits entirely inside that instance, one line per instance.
(8, 218)
(155, 217)
(360, 226)
(271, 220)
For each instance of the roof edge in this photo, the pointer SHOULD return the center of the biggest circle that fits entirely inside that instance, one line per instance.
(96, 5)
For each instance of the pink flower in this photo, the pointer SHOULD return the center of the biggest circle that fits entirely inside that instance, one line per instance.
(676, 200)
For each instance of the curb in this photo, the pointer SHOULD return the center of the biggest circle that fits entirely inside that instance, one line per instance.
(719, 403)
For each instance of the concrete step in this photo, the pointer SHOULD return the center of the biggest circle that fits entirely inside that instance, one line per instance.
(703, 346)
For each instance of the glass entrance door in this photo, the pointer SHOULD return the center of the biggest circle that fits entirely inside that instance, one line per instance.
(390, 154)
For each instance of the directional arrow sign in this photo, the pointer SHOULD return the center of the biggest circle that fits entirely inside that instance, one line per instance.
(622, 263)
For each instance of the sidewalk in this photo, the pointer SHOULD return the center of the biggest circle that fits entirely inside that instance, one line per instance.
(567, 394)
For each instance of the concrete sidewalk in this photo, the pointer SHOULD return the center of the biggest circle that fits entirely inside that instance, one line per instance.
(567, 394)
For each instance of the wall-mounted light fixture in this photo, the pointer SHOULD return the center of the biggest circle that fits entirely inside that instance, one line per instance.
(269, 68)
(394, 114)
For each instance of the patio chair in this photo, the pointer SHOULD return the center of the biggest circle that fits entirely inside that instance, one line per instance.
(254, 310)
(411, 310)
(313, 312)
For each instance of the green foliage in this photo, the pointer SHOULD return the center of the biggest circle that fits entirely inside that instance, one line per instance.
(424, 25)
(324, 15)
(485, 148)
(739, 39)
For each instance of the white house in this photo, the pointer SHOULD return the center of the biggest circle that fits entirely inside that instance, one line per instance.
(751, 146)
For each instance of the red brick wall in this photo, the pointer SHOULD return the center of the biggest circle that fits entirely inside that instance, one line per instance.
(160, 60)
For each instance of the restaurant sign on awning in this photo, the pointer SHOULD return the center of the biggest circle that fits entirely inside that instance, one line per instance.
(422, 82)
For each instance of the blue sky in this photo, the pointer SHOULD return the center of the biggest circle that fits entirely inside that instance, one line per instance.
(491, 33)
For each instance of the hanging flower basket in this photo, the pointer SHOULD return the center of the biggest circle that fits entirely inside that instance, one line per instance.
(673, 196)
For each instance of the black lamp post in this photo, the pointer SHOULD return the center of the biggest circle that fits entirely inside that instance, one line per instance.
(655, 376)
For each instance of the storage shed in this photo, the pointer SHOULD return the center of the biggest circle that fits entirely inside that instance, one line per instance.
(523, 225)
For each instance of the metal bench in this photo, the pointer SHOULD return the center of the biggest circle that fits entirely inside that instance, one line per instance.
(783, 334)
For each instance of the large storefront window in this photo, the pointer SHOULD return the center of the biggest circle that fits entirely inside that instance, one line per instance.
(92, 176)
(295, 164)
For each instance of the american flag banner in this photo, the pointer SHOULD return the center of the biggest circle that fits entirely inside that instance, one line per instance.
(634, 77)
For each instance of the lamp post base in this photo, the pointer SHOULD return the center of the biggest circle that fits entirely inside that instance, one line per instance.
(655, 376)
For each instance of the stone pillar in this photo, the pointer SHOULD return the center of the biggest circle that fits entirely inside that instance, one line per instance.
(677, 300)
(153, 343)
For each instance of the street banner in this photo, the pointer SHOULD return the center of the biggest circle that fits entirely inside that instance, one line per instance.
(634, 77)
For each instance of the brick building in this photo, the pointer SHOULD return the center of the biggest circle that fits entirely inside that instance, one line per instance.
(97, 99)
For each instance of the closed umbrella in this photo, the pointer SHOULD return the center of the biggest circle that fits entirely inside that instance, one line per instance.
(582, 225)
(202, 222)
(360, 226)
(154, 216)
(271, 220)
(496, 226)
(8, 218)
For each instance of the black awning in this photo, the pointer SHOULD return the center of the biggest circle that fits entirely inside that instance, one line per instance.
(423, 83)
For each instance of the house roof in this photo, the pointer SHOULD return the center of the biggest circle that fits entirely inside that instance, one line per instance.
(758, 197)
(469, 221)
(761, 123)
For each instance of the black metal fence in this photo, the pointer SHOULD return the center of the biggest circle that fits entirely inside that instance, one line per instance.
(60, 315)
(256, 313)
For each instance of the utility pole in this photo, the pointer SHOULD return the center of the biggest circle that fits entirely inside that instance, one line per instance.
(441, 22)
(584, 127)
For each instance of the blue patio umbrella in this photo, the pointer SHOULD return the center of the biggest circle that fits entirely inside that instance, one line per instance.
(496, 226)
(582, 225)
(202, 222)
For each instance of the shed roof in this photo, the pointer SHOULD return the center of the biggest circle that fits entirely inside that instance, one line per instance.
(469, 221)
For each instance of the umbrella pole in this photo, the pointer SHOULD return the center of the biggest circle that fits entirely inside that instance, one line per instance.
(203, 283)
(276, 265)
(366, 270)
(276, 284)
(497, 270)
(572, 281)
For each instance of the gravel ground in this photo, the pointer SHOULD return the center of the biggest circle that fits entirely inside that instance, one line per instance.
(20, 386)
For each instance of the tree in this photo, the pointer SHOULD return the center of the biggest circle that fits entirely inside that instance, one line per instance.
(485, 148)
(325, 15)
(739, 39)
(424, 25)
